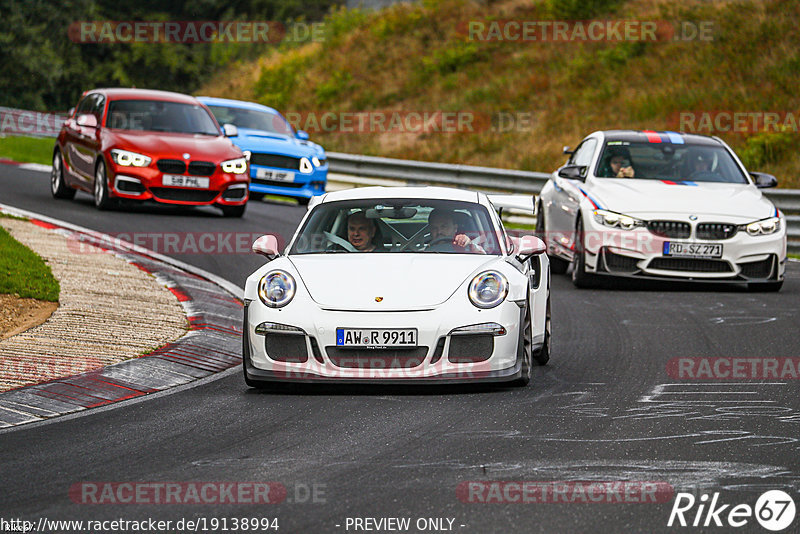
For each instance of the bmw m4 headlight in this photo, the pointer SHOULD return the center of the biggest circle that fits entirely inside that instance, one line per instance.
(617, 220)
(305, 166)
(488, 289)
(126, 158)
(234, 166)
(315, 161)
(763, 227)
(276, 289)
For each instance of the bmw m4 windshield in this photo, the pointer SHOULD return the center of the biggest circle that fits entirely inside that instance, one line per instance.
(668, 161)
(253, 119)
(398, 225)
(160, 116)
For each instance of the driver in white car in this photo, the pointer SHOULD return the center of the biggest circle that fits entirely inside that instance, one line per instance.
(445, 236)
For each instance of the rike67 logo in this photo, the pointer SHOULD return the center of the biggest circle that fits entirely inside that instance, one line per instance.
(774, 510)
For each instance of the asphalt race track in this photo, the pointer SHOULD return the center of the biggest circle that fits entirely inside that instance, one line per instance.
(605, 409)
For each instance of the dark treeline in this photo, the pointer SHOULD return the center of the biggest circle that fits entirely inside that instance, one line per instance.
(42, 68)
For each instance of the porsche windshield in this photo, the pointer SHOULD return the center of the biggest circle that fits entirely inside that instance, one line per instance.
(253, 119)
(668, 161)
(160, 116)
(398, 226)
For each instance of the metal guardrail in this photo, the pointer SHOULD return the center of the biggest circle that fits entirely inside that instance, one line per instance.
(506, 180)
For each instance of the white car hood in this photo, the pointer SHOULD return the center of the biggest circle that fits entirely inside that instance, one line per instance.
(646, 198)
(405, 281)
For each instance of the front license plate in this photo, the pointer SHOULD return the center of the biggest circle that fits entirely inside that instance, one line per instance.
(178, 180)
(376, 338)
(278, 176)
(692, 250)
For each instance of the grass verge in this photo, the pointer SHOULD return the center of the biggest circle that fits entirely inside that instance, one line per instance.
(27, 149)
(25, 273)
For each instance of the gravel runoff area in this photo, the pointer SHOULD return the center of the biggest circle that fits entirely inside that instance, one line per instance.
(109, 311)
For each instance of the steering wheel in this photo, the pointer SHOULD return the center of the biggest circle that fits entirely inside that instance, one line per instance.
(336, 240)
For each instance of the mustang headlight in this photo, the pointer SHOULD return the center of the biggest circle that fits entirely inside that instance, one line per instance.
(126, 158)
(488, 289)
(617, 220)
(305, 166)
(763, 227)
(276, 289)
(234, 166)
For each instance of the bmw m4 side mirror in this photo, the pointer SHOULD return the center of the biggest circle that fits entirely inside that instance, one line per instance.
(573, 172)
(764, 180)
(266, 245)
(302, 135)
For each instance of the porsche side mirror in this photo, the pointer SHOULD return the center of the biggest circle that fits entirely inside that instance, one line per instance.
(573, 172)
(530, 245)
(266, 245)
(230, 130)
(88, 120)
(567, 150)
(764, 180)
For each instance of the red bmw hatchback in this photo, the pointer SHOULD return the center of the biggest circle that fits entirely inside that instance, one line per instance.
(138, 144)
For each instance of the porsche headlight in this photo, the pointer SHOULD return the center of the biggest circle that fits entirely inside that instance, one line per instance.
(763, 227)
(235, 166)
(305, 166)
(617, 220)
(126, 158)
(276, 289)
(488, 289)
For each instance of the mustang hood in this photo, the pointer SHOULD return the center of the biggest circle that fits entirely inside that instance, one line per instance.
(405, 281)
(275, 143)
(646, 198)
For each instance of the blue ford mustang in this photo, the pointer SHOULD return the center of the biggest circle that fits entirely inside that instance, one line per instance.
(282, 161)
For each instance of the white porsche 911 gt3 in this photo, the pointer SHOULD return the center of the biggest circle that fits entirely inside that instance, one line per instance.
(663, 205)
(400, 284)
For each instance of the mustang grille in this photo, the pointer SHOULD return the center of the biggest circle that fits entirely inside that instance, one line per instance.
(262, 181)
(672, 229)
(691, 265)
(274, 160)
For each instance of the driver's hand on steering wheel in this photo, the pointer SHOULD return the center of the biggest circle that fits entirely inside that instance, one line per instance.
(461, 240)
